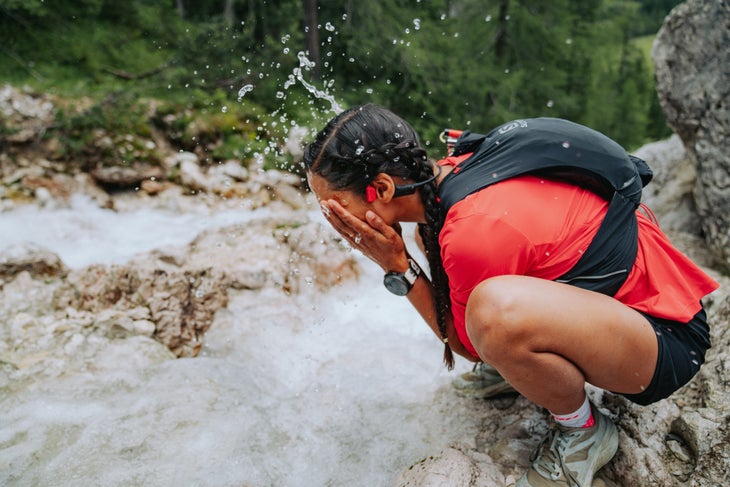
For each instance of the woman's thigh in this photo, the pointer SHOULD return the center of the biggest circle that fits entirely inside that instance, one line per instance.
(614, 346)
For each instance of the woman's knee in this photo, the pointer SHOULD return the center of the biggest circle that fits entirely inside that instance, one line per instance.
(495, 316)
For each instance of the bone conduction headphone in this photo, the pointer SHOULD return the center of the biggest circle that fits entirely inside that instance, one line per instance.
(411, 188)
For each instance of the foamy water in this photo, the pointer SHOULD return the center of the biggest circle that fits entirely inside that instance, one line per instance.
(342, 389)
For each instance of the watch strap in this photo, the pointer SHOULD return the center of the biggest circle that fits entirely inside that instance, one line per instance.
(412, 273)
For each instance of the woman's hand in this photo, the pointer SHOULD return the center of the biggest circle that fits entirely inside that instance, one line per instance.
(373, 237)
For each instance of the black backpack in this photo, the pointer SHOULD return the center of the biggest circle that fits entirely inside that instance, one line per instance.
(559, 149)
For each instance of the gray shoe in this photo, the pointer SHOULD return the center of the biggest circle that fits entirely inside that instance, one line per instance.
(571, 456)
(482, 382)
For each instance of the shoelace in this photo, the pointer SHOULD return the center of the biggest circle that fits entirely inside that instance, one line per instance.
(548, 460)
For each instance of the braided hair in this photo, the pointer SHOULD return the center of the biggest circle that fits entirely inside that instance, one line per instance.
(364, 141)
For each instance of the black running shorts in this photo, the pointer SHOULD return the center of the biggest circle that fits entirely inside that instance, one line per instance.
(682, 348)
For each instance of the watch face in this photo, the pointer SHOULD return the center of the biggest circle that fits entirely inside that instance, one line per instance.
(396, 284)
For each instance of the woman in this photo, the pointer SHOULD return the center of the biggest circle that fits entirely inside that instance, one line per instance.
(493, 259)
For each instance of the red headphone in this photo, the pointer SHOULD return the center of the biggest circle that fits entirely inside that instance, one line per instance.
(370, 193)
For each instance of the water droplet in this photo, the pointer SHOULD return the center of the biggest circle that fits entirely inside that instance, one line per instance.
(244, 89)
(692, 352)
(566, 144)
(417, 23)
(329, 27)
(224, 109)
(488, 18)
(550, 103)
(695, 362)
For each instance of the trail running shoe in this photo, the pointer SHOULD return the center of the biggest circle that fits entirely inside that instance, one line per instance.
(482, 382)
(571, 456)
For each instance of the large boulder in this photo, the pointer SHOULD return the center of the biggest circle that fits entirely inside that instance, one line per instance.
(691, 54)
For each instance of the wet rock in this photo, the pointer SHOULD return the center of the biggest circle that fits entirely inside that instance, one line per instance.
(191, 175)
(126, 176)
(451, 467)
(25, 114)
(291, 254)
(32, 258)
(692, 65)
(229, 171)
(181, 303)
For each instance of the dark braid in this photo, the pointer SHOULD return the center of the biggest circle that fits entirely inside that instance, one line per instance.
(366, 140)
(430, 236)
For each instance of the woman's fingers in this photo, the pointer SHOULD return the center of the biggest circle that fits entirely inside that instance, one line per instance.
(379, 224)
(343, 221)
(374, 238)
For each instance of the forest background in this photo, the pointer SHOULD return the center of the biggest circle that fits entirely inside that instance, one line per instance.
(232, 73)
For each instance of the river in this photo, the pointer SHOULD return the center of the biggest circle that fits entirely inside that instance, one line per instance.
(343, 389)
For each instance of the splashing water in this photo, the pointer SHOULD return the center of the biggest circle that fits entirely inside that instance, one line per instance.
(244, 89)
(305, 64)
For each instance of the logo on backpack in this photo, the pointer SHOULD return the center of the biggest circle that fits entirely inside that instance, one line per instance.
(512, 125)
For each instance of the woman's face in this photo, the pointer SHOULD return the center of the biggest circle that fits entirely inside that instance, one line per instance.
(352, 202)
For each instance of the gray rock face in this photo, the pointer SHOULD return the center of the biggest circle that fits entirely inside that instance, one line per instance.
(692, 58)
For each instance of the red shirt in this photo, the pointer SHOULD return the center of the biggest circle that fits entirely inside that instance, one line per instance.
(537, 227)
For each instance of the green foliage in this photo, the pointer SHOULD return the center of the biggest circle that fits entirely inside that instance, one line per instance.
(458, 63)
(109, 132)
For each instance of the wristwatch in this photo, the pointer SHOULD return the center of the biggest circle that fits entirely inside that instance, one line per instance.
(399, 283)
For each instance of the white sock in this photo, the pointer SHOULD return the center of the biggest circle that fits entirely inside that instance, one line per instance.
(582, 418)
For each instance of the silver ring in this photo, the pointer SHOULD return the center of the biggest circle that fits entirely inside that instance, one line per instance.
(358, 239)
